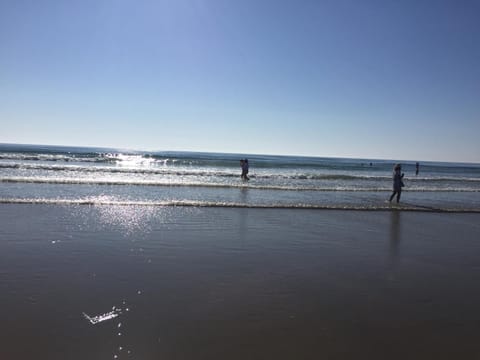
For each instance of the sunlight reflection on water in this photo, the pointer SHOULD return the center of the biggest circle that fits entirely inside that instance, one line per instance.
(129, 219)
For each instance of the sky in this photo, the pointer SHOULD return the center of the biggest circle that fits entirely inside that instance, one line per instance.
(383, 79)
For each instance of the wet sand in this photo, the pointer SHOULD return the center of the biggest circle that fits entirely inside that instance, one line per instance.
(210, 283)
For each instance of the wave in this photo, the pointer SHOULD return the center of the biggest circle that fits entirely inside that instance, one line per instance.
(182, 172)
(87, 158)
(167, 183)
(123, 156)
(210, 204)
(116, 158)
(76, 181)
(122, 170)
(225, 174)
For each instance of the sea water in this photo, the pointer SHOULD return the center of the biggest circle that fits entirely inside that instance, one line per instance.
(156, 266)
(80, 175)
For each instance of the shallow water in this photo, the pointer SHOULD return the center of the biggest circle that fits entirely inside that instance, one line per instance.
(47, 174)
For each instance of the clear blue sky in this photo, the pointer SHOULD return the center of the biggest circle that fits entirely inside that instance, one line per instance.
(378, 79)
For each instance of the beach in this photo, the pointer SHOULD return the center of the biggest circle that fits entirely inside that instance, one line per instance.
(239, 180)
(237, 283)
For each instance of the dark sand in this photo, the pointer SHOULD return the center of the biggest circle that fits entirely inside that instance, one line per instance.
(238, 283)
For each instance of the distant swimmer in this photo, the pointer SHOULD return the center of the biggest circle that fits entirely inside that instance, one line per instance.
(244, 165)
(397, 182)
(417, 168)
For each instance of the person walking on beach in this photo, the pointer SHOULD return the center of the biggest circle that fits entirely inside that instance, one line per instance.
(397, 182)
(244, 165)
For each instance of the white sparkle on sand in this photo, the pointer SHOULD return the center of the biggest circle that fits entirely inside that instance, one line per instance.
(103, 317)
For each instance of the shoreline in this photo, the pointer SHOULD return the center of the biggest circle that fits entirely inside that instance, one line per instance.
(403, 206)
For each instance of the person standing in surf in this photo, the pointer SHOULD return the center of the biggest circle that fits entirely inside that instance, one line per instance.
(244, 165)
(397, 182)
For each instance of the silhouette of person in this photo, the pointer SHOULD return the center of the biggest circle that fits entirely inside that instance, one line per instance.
(244, 165)
(397, 182)
(417, 168)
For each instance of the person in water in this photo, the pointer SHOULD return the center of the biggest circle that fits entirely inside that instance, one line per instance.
(417, 168)
(244, 165)
(397, 182)
(241, 166)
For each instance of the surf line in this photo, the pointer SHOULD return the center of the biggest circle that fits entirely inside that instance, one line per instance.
(207, 204)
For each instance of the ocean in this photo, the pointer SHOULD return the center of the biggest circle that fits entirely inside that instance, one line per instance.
(96, 176)
(115, 254)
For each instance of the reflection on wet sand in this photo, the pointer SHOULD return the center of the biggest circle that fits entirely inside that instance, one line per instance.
(394, 242)
(237, 283)
(243, 214)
